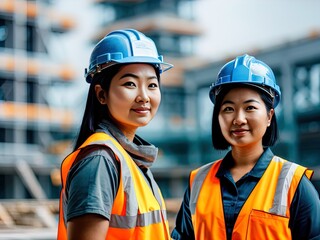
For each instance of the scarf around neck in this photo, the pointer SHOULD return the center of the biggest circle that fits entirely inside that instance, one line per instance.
(143, 153)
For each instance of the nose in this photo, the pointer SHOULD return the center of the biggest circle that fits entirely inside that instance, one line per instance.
(142, 95)
(240, 118)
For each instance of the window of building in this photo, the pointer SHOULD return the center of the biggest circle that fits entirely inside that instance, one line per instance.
(172, 106)
(31, 91)
(307, 86)
(2, 134)
(3, 33)
(205, 106)
(6, 32)
(31, 39)
(186, 45)
(6, 89)
(186, 9)
(31, 136)
(6, 134)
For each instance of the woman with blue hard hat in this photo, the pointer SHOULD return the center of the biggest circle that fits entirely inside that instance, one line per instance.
(108, 191)
(250, 193)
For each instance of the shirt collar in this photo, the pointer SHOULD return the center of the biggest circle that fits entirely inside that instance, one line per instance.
(257, 171)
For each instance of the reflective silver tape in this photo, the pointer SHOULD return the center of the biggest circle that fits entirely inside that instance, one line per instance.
(141, 220)
(277, 159)
(197, 184)
(280, 204)
(155, 188)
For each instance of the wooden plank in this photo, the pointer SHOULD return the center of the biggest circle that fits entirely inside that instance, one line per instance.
(5, 217)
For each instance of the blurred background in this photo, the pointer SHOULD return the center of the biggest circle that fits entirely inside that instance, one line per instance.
(46, 44)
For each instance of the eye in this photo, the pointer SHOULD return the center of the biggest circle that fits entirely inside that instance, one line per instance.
(250, 108)
(227, 109)
(153, 85)
(129, 84)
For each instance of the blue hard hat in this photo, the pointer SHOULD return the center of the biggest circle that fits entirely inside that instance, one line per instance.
(246, 70)
(124, 46)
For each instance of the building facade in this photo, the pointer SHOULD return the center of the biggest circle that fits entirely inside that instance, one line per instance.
(31, 127)
(34, 132)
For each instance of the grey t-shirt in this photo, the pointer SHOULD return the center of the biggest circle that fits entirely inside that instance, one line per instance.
(92, 183)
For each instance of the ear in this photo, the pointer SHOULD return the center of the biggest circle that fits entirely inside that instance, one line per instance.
(100, 94)
(270, 115)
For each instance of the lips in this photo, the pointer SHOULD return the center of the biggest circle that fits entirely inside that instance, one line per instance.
(141, 110)
(239, 131)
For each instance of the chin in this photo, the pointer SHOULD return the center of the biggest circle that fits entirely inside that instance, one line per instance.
(143, 124)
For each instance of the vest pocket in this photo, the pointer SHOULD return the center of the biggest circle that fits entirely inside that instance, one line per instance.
(265, 226)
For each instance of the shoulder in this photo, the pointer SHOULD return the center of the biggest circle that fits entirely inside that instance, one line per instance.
(305, 211)
(307, 191)
(306, 199)
(95, 150)
(197, 176)
(208, 166)
(204, 169)
(93, 160)
(96, 153)
(92, 182)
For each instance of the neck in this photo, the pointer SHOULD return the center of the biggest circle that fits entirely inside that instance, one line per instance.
(246, 156)
(129, 133)
(244, 160)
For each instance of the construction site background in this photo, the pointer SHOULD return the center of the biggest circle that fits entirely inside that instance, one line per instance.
(44, 48)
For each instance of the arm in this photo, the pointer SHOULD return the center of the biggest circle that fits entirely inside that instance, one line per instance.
(87, 226)
(305, 212)
(184, 227)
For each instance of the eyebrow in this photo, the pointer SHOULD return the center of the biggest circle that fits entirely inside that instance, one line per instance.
(247, 101)
(136, 76)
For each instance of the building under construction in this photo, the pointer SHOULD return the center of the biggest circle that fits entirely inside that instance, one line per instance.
(34, 133)
(31, 128)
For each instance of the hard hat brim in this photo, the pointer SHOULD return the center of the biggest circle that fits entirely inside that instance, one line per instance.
(163, 66)
(215, 90)
(149, 60)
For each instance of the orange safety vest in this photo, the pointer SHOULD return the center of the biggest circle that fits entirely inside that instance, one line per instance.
(137, 212)
(265, 214)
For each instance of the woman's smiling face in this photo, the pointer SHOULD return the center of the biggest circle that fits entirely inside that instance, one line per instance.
(134, 96)
(243, 117)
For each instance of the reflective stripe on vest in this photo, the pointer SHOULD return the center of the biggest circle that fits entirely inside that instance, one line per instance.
(279, 205)
(196, 182)
(265, 213)
(137, 212)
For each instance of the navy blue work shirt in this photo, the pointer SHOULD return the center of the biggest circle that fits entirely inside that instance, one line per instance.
(305, 209)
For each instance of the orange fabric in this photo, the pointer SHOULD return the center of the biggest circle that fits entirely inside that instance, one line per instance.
(254, 218)
(144, 195)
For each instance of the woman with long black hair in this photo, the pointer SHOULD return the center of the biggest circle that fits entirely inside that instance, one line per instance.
(108, 191)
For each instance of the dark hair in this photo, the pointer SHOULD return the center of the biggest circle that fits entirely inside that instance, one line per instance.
(219, 142)
(95, 112)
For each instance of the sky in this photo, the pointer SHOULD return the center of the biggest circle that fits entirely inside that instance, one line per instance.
(234, 26)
